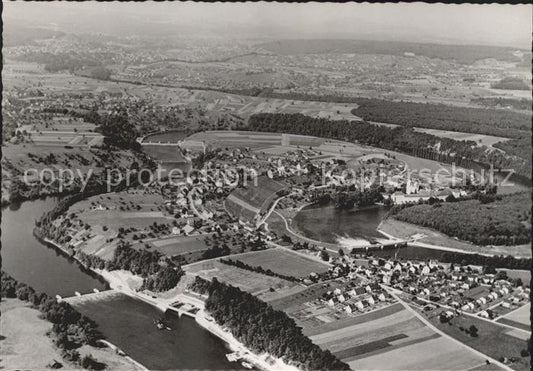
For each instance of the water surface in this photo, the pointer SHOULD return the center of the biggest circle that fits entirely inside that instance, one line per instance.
(129, 324)
(42, 267)
(329, 224)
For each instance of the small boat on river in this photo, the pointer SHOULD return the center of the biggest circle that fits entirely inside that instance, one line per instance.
(161, 325)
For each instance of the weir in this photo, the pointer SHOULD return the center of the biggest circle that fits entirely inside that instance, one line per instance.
(91, 296)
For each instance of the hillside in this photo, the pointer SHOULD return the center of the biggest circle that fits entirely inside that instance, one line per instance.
(465, 54)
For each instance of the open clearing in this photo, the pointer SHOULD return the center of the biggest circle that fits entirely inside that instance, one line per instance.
(284, 262)
(25, 344)
(487, 140)
(246, 280)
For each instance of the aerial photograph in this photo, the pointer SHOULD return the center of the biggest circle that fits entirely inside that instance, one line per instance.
(266, 186)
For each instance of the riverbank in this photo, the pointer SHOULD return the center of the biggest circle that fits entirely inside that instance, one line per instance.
(68, 254)
(127, 283)
(26, 345)
(331, 224)
(395, 229)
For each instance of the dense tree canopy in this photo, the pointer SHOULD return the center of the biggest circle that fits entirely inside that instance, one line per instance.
(439, 116)
(167, 278)
(263, 329)
(504, 221)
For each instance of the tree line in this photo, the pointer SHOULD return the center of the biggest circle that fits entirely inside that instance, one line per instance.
(348, 197)
(403, 139)
(261, 328)
(70, 328)
(489, 262)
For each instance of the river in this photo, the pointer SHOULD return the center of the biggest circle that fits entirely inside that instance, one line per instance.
(125, 321)
(330, 224)
(27, 260)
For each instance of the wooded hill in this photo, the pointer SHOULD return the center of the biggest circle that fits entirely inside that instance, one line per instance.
(504, 221)
(400, 139)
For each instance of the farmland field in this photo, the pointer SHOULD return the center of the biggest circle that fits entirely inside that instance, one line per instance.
(351, 321)
(290, 302)
(493, 340)
(282, 261)
(391, 338)
(237, 139)
(432, 354)
(246, 280)
(518, 318)
(178, 245)
(257, 196)
(164, 153)
(247, 202)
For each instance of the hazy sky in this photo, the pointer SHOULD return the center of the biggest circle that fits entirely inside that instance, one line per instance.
(467, 23)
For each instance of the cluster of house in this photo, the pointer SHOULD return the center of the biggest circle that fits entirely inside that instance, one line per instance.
(506, 296)
(416, 191)
(448, 285)
(362, 297)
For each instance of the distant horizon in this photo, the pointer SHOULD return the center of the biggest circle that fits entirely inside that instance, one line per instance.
(445, 24)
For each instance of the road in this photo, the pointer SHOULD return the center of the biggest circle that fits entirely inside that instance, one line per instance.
(327, 246)
(272, 209)
(428, 324)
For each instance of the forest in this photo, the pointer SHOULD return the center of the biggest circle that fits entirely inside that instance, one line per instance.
(157, 277)
(159, 274)
(263, 329)
(511, 83)
(401, 139)
(70, 328)
(439, 116)
(504, 220)
(167, 278)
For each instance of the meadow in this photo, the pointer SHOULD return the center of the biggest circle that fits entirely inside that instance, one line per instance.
(284, 262)
(254, 283)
